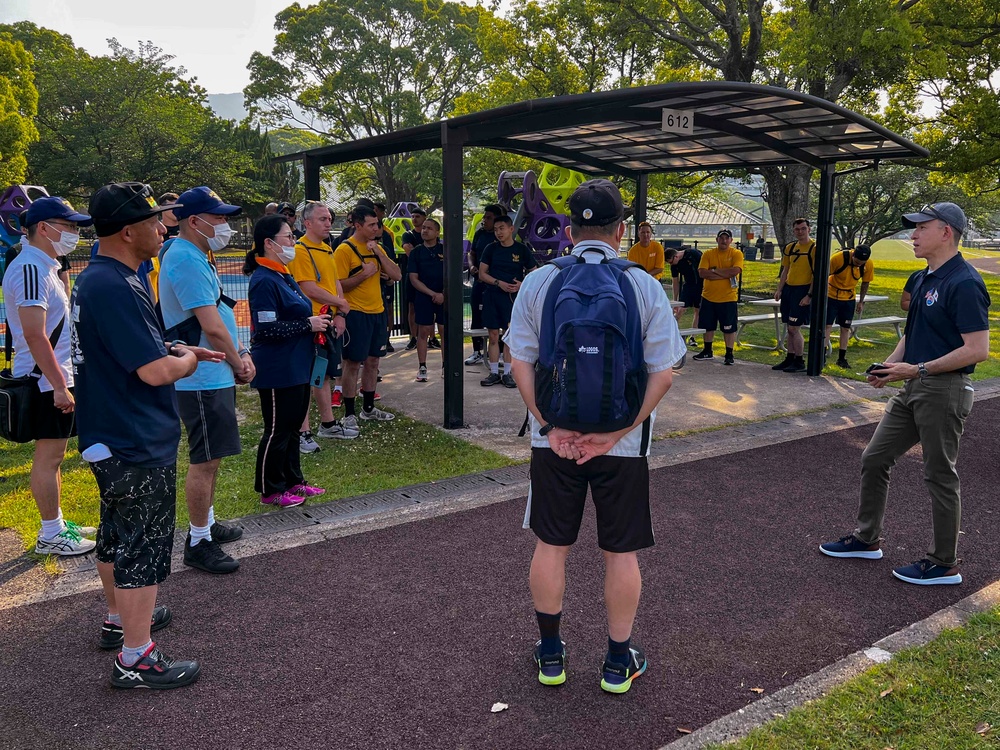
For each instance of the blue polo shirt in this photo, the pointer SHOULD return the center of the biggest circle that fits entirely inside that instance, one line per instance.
(187, 280)
(945, 304)
(282, 350)
(428, 264)
(114, 333)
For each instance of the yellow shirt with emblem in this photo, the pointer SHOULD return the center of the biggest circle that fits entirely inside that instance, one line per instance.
(799, 258)
(366, 297)
(323, 273)
(844, 277)
(721, 290)
(648, 257)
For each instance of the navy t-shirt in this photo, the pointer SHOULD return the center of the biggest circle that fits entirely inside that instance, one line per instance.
(945, 304)
(687, 268)
(282, 348)
(508, 264)
(428, 264)
(412, 237)
(115, 332)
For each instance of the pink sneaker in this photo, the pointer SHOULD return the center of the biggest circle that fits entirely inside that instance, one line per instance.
(306, 490)
(282, 499)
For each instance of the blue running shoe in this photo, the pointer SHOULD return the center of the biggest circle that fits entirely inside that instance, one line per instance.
(617, 678)
(925, 573)
(850, 546)
(551, 667)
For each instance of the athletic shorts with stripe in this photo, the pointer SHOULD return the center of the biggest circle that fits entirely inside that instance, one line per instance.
(210, 420)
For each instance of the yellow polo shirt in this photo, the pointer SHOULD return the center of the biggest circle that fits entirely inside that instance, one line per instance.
(844, 278)
(799, 258)
(366, 297)
(721, 290)
(648, 257)
(314, 262)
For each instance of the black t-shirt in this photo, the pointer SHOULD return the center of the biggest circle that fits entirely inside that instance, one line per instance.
(428, 264)
(945, 304)
(508, 264)
(412, 237)
(687, 268)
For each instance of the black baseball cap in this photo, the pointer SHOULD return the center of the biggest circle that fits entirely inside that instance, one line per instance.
(722, 232)
(286, 207)
(862, 252)
(596, 203)
(949, 213)
(115, 206)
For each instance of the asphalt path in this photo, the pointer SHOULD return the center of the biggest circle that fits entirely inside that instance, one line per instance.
(407, 636)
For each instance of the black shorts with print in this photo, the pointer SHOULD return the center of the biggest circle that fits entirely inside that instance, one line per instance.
(138, 509)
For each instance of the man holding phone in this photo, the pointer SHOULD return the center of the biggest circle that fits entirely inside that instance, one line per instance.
(947, 333)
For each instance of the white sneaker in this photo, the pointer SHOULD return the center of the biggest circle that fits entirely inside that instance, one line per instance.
(378, 415)
(337, 431)
(307, 444)
(422, 374)
(350, 424)
(81, 530)
(475, 359)
(67, 543)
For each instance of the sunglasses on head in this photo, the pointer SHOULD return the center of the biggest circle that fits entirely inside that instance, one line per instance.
(145, 193)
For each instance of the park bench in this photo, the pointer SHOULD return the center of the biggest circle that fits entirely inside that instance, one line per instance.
(745, 320)
(475, 332)
(890, 320)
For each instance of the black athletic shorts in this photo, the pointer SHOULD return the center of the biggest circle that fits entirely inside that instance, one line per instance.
(841, 312)
(723, 315)
(792, 313)
(366, 336)
(497, 308)
(48, 423)
(210, 420)
(619, 486)
(138, 509)
(691, 295)
(425, 312)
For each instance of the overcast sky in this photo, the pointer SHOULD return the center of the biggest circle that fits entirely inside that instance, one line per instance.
(212, 39)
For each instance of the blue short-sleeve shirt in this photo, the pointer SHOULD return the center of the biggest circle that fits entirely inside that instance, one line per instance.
(115, 332)
(187, 281)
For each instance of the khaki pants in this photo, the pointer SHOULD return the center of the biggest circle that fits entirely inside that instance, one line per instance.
(930, 411)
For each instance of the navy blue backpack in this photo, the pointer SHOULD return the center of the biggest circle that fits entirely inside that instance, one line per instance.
(591, 373)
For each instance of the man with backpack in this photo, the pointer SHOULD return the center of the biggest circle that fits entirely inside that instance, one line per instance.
(846, 270)
(795, 293)
(592, 342)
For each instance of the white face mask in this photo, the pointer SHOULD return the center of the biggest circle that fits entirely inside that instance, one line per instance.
(223, 233)
(285, 253)
(66, 244)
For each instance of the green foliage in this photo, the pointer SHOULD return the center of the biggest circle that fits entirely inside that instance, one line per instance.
(18, 105)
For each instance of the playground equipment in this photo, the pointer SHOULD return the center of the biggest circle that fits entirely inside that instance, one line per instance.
(538, 207)
(13, 201)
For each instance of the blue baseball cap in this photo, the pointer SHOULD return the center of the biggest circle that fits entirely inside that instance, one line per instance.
(54, 207)
(202, 200)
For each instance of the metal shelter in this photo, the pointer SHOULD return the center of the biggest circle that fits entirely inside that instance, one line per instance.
(690, 126)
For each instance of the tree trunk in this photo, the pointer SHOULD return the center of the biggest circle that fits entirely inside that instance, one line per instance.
(787, 197)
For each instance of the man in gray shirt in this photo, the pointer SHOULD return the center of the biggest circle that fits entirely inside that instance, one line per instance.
(614, 465)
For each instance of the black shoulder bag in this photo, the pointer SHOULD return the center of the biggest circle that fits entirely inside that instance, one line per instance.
(19, 396)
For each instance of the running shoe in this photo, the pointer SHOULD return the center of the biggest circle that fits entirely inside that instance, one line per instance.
(851, 546)
(351, 424)
(377, 415)
(508, 380)
(492, 379)
(422, 374)
(433, 343)
(112, 635)
(551, 667)
(224, 534)
(338, 399)
(704, 354)
(66, 543)
(306, 490)
(925, 573)
(411, 345)
(154, 670)
(617, 678)
(307, 444)
(81, 530)
(337, 431)
(282, 500)
(729, 360)
(208, 556)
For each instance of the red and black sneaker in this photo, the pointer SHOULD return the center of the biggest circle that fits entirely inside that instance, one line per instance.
(154, 670)
(113, 637)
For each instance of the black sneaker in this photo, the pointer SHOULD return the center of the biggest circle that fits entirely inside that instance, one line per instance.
(154, 670)
(389, 348)
(551, 667)
(617, 678)
(508, 380)
(729, 360)
(492, 379)
(113, 637)
(842, 362)
(433, 343)
(798, 365)
(692, 341)
(851, 546)
(224, 534)
(411, 345)
(207, 555)
(786, 362)
(704, 354)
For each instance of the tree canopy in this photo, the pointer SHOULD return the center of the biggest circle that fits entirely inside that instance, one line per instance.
(18, 106)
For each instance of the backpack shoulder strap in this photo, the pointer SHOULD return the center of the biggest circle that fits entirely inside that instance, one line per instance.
(312, 260)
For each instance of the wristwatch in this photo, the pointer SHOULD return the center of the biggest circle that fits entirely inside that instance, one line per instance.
(546, 429)
(341, 314)
(922, 369)
(496, 282)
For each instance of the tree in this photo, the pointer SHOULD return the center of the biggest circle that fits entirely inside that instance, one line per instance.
(366, 68)
(18, 105)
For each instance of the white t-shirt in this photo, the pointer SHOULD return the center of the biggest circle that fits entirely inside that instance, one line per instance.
(32, 280)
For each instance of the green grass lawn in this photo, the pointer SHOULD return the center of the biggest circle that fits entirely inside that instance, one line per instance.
(942, 696)
(890, 276)
(387, 455)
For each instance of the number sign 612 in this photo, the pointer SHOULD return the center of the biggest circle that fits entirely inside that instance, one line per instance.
(678, 121)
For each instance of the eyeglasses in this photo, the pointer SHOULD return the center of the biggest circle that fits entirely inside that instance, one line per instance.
(59, 223)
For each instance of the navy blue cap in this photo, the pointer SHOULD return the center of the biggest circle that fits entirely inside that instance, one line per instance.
(202, 200)
(54, 207)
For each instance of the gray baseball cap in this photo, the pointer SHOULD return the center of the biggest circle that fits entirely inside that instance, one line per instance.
(949, 213)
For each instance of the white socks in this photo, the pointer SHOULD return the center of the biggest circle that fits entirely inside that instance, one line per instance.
(52, 529)
(200, 532)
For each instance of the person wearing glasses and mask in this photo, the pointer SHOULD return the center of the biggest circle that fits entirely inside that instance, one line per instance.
(947, 334)
(38, 316)
(189, 288)
(283, 328)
